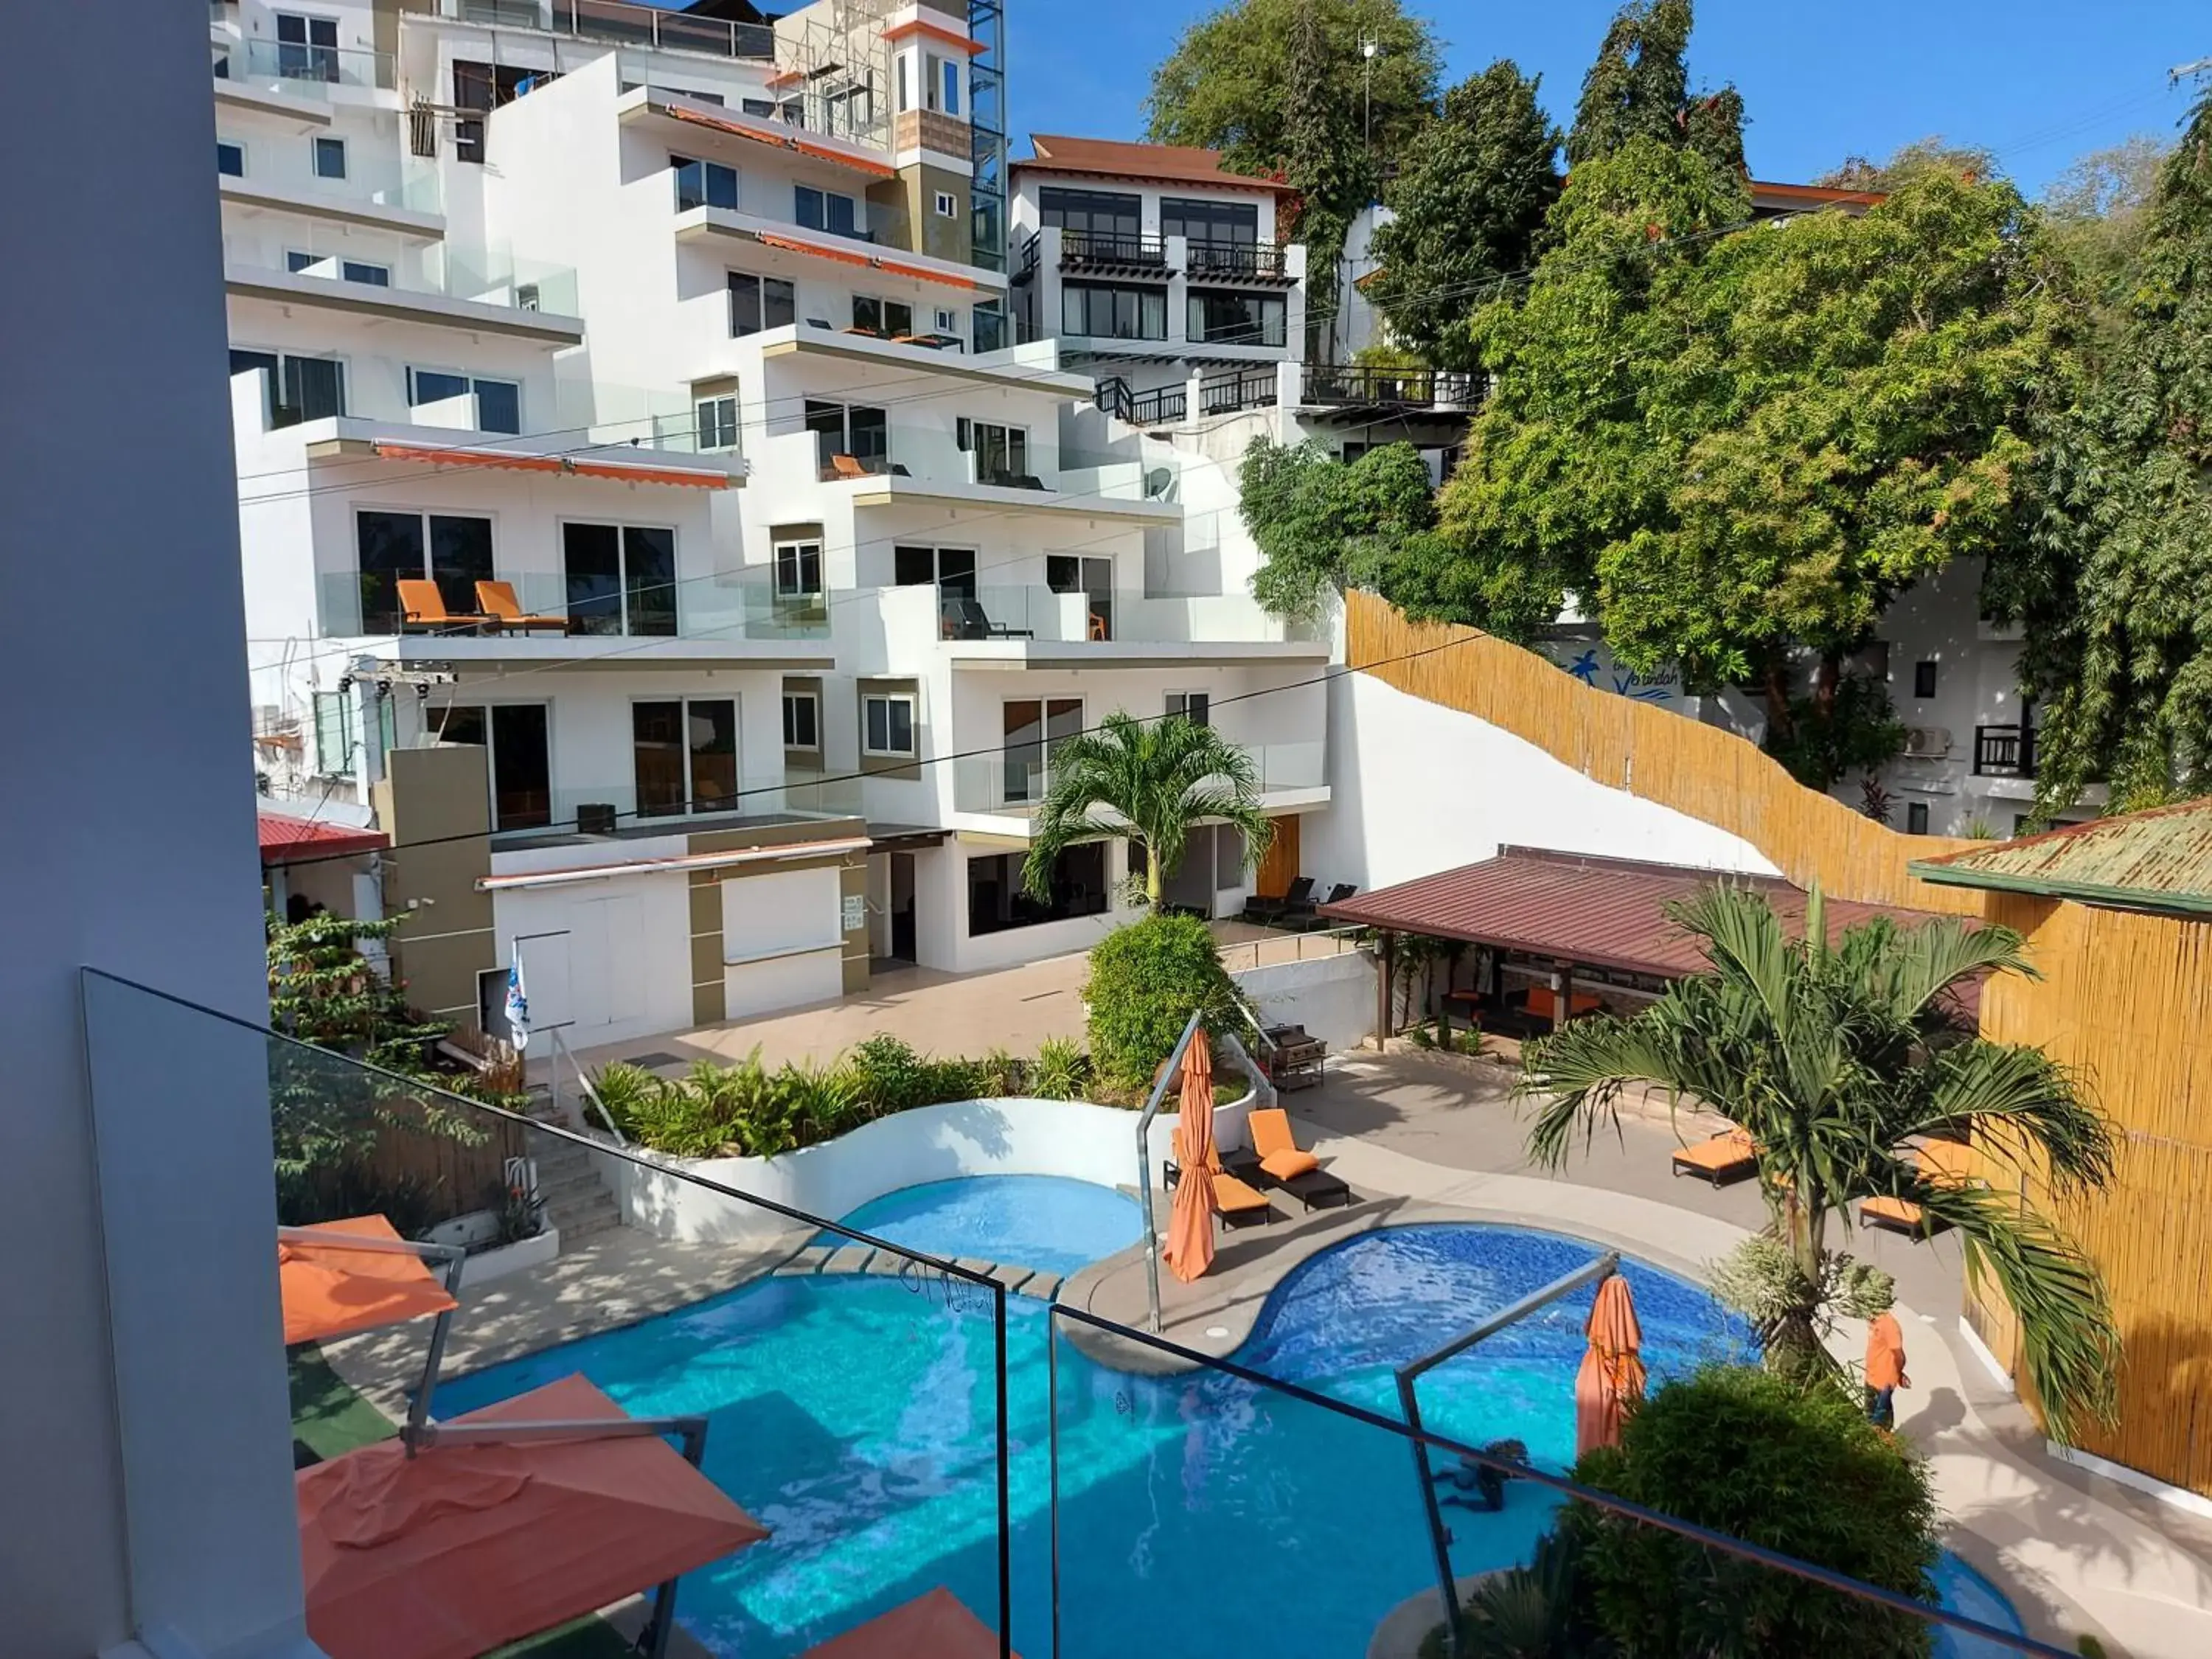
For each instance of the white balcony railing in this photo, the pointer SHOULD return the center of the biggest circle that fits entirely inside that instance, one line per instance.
(1011, 783)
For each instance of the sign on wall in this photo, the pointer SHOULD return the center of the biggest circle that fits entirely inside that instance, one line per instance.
(856, 913)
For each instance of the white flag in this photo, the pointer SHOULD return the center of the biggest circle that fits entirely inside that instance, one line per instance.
(518, 1005)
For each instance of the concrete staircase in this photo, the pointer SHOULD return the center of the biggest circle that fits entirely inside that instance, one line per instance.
(577, 1200)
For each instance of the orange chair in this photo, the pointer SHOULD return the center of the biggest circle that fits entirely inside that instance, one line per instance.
(1942, 1164)
(497, 601)
(421, 605)
(1286, 1164)
(1542, 1004)
(1728, 1155)
(846, 466)
(1241, 1204)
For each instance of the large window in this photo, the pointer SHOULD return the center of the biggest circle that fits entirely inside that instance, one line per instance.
(622, 578)
(1099, 212)
(499, 403)
(1036, 729)
(702, 184)
(987, 324)
(1107, 312)
(1211, 222)
(295, 389)
(887, 724)
(827, 210)
(1002, 452)
(1068, 573)
(798, 570)
(1220, 319)
(892, 318)
(951, 570)
(855, 431)
(686, 755)
(520, 772)
(306, 47)
(760, 303)
(997, 899)
(452, 550)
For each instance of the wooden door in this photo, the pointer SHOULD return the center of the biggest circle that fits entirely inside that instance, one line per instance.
(1281, 867)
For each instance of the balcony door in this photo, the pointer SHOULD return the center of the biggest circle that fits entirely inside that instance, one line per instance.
(685, 755)
(453, 550)
(1036, 729)
(518, 762)
(621, 578)
(1065, 573)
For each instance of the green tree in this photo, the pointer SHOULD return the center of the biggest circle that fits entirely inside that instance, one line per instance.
(1470, 199)
(1834, 1059)
(1145, 982)
(1639, 87)
(1322, 524)
(324, 991)
(1148, 781)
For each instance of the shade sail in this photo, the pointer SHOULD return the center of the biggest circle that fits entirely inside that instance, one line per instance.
(1189, 1250)
(453, 1552)
(330, 1289)
(933, 1626)
(1612, 1372)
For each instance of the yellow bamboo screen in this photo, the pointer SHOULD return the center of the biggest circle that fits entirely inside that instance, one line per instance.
(1658, 757)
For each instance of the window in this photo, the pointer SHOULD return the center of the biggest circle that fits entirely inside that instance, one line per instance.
(1102, 213)
(802, 720)
(858, 431)
(1211, 222)
(621, 579)
(798, 570)
(499, 403)
(893, 318)
(521, 773)
(450, 550)
(478, 86)
(905, 81)
(1002, 452)
(1196, 707)
(997, 901)
(887, 724)
(1916, 817)
(1352, 450)
(1220, 319)
(330, 158)
(990, 325)
(1923, 679)
(685, 755)
(306, 47)
(950, 570)
(1109, 312)
(1036, 729)
(336, 733)
(295, 389)
(948, 85)
(229, 159)
(702, 184)
(760, 106)
(760, 303)
(1065, 573)
(948, 205)
(948, 322)
(717, 422)
(353, 270)
(826, 209)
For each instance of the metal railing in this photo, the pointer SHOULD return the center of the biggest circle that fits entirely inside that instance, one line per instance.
(2004, 751)
(1279, 949)
(618, 22)
(1258, 261)
(1226, 394)
(1104, 248)
(1155, 408)
(1341, 385)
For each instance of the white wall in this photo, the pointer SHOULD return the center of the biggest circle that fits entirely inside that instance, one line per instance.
(618, 961)
(1333, 997)
(1072, 1139)
(1417, 789)
(143, 1421)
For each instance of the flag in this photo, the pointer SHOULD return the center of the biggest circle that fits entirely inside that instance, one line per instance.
(518, 1005)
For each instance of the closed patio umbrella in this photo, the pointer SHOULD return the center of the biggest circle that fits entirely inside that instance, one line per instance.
(1189, 1249)
(1610, 1373)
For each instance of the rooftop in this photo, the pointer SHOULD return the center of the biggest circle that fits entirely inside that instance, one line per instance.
(286, 840)
(2160, 859)
(1107, 158)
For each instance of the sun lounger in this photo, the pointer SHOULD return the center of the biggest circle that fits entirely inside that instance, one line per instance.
(497, 601)
(1942, 1164)
(848, 466)
(1728, 1155)
(421, 605)
(1241, 1204)
(1287, 1166)
(1271, 910)
(1308, 920)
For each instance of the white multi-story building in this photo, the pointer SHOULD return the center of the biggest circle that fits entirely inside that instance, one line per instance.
(682, 356)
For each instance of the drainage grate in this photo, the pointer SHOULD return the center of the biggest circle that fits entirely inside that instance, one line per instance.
(658, 1058)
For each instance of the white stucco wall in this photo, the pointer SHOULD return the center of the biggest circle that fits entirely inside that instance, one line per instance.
(1333, 997)
(1417, 789)
(1068, 1137)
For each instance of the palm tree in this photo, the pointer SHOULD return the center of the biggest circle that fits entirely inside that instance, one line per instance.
(1834, 1058)
(1149, 781)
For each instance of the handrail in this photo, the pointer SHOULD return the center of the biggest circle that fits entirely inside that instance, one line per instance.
(584, 1083)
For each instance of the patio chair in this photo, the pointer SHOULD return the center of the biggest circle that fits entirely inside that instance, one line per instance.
(1728, 1155)
(963, 618)
(1309, 919)
(1241, 1204)
(497, 601)
(1942, 1164)
(421, 605)
(1285, 1165)
(847, 466)
(1270, 911)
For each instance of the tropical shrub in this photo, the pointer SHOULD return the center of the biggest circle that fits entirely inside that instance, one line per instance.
(1144, 981)
(1757, 1457)
(1059, 1071)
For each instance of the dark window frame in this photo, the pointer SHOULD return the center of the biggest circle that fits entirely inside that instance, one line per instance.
(1079, 886)
(759, 303)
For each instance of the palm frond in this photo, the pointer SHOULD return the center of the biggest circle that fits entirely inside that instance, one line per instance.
(1926, 960)
(2021, 1103)
(1743, 937)
(1581, 1071)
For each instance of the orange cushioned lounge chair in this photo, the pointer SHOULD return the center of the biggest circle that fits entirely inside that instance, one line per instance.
(1728, 1155)
(1284, 1164)
(1942, 1164)
(1241, 1204)
(421, 605)
(497, 601)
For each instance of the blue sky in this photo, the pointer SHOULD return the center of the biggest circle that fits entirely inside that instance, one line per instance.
(2038, 81)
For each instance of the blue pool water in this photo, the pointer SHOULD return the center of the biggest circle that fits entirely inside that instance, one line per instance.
(855, 1417)
(1045, 1222)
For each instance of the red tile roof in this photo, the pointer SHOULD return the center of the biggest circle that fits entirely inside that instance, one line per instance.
(1604, 913)
(292, 841)
(1107, 158)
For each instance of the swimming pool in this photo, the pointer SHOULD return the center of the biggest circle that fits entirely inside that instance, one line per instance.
(855, 1417)
(1048, 1223)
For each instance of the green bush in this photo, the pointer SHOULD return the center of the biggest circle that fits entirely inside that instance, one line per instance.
(1796, 1469)
(1060, 1070)
(1144, 980)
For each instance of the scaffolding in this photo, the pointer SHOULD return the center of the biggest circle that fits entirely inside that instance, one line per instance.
(833, 69)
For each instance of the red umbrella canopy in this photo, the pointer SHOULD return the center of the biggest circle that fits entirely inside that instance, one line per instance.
(331, 1287)
(1610, 1373)
(933, 1626)
(1189, 1249)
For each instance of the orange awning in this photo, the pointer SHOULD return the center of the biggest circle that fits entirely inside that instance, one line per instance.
(921, 276)
(515, 461)
(461, 1548)
(933, 1626)
(1612, 1373)
(767, 239)
(331, 1291)
(768, 135)
(1189, 1250)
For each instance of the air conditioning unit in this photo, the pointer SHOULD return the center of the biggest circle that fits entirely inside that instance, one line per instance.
(595, 819)
(1927, 742)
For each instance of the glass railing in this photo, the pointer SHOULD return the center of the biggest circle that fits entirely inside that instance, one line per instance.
(305, 71)
(1014, 780)
(1035, 613)
(709, 609)
(491, 276)
(664, 418)
(585, 808)
(620, 24)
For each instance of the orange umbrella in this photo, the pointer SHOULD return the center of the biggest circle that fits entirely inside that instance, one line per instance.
(1189, 1249)
(1611, 1374)
(463, 1548)
(332, 1289)
(935, 1626)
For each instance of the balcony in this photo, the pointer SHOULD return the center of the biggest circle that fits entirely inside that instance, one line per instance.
(581, 809)
(1347, 393)
(2004, 751)
(1109, 252)
(293, 78)
(1011, 783)
(1237, 262)
(485, 290)
(1002, 627)
(617, 23)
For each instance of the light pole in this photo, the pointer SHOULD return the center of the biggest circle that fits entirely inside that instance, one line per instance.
(1369, 46)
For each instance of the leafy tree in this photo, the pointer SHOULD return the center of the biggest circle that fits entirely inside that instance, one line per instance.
(1854, 729)
(2098, 211)
(1323, 525)
(323, 990)
(1470, 199)
(1146, 981)
(1639, 87)
(1834, 1058)
(1148, 782)
(1798, 1470)
(1933, 154)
